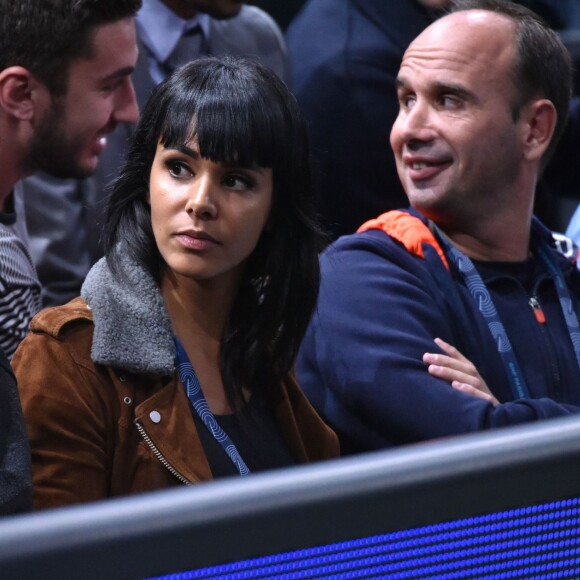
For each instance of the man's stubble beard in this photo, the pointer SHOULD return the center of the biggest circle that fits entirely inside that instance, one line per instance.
(52, 151)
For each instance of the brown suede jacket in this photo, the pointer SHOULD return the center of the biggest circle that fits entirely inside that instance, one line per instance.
(97, 431)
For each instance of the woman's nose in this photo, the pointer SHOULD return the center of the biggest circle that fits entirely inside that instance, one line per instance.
(201, 203)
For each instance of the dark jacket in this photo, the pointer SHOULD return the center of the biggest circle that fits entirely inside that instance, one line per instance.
(90, 379)
(345, 57)
(15, 470)
(379, 309)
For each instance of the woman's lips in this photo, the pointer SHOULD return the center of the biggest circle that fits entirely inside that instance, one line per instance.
(198, 241)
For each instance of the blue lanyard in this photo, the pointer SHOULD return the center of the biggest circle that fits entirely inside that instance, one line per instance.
(565, 299)
(482, 297)
(195, 395)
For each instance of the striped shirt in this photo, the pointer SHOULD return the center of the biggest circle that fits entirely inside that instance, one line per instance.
(19, 285)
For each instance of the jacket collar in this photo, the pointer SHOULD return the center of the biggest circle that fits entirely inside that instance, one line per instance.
(132, 327)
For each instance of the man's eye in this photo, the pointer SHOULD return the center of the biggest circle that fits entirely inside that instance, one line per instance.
(449, 102)
(114, 86)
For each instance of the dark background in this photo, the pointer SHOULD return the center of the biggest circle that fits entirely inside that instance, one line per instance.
(282, 11)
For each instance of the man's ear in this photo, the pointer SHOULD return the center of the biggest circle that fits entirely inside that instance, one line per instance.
(539, 118)
(18, 92)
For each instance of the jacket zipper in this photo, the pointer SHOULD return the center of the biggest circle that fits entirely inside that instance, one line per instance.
(160, 455)
(538, 312)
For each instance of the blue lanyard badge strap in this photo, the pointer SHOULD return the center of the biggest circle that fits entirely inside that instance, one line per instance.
(192, 387)
(566, 303)
(482, 297)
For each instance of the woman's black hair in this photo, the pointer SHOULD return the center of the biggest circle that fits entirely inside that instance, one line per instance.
(239, 112)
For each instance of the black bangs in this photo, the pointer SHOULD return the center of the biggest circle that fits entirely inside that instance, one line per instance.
(233, 119)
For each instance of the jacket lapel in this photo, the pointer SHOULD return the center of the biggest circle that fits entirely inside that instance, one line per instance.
(166, 418)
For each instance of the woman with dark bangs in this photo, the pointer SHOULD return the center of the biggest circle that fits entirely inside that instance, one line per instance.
(176, 364)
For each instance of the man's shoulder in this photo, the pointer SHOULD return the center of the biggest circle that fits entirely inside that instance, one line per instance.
(396, 236)
(13, 221)
(17, 271)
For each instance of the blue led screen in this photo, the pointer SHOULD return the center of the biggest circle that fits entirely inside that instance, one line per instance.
(533, 542)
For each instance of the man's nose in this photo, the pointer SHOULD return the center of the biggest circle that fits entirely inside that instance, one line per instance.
(415, 123)
(126, 107)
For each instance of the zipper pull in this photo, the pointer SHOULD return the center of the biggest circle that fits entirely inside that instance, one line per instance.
(538, 312)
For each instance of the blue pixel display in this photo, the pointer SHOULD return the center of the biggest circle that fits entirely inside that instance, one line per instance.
(540, 541)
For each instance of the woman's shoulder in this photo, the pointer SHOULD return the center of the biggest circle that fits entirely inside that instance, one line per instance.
(55, 320)
(318, 440)
(58, 333)
(60, 339)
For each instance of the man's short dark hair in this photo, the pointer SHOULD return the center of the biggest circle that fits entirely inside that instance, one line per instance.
(44, 36)
(543, 66)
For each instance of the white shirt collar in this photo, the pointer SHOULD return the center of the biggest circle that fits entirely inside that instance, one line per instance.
(160, 28)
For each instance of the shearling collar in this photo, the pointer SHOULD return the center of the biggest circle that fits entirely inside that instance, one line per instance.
(132, 327)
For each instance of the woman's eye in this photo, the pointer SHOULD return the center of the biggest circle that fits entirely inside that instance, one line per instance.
(178, 169)
(237, 182)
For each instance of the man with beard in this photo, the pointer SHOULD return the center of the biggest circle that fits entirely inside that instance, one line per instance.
(64, 242)
(483, 98)
(65, 84)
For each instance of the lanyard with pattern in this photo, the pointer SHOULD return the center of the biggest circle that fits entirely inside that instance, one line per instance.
(195, 395)
(482, 298)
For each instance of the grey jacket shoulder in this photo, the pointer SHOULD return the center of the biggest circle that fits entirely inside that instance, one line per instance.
(254, 34)
(132, 328)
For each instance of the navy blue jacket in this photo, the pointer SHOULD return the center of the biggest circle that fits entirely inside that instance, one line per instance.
(379, 309)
